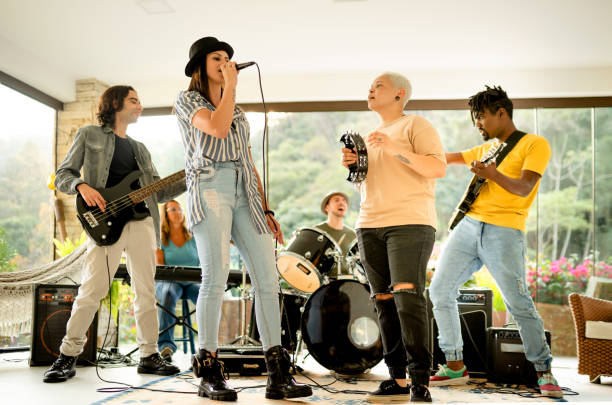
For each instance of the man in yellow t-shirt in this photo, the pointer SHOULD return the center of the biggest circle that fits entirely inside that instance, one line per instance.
(492, 234)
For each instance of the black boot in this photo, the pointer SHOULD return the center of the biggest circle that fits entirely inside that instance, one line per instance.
(280, 382)
(62, 369)
(154, 364)
(213, 375)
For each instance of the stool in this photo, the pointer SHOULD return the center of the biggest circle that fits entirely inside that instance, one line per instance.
(187, 328)
(183, 320)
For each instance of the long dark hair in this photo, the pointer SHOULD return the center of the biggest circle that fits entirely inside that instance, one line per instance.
(492, 98)
(199, 80)
(110, 102)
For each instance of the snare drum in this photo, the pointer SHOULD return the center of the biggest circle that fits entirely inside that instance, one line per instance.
(310, 256)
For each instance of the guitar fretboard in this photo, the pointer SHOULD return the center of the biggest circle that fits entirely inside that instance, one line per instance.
(142, 193)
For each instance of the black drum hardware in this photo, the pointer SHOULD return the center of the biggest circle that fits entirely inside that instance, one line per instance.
(358, 170)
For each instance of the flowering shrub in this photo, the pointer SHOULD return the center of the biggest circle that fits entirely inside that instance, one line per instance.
(557, 279)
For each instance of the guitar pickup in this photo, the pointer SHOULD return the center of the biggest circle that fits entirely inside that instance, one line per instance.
(91, 220)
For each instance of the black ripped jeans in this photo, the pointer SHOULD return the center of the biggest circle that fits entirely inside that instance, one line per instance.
(394, 255)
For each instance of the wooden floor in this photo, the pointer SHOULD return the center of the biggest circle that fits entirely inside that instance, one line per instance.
(22, 384)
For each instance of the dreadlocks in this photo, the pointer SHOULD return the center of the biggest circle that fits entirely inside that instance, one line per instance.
(493, 98)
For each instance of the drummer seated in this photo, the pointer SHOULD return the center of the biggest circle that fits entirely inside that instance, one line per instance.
(335, 206)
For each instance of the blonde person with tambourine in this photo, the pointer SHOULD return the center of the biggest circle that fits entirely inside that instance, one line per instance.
(396, 232)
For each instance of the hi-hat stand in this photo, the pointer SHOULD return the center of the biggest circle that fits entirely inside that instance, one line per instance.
(244, 339)
(244, 355)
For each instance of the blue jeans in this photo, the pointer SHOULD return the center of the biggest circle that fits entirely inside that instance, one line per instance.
(168, 293)
(227, 214)
(502, 250)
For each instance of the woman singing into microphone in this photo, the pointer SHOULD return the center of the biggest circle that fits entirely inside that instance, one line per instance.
(226, 200)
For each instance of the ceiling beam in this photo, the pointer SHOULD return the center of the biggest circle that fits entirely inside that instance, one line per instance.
(27, 90)
(457, 104)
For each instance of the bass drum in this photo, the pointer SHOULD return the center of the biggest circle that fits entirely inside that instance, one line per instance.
(339, 327)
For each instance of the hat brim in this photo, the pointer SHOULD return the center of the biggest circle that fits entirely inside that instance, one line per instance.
(329, 196)
(200, 56)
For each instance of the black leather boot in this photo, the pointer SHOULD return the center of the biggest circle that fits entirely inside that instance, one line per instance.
(154, 364)
(280, 382)
(213, 375)
(62, 369)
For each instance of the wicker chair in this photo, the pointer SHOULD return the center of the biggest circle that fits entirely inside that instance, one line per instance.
(594, 355)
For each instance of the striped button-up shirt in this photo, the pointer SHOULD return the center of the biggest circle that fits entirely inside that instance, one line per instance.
(202, 150)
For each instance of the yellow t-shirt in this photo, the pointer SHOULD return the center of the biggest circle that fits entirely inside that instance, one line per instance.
(392, 193)
(497, 206)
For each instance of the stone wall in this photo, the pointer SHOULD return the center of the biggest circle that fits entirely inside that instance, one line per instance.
(76, 114)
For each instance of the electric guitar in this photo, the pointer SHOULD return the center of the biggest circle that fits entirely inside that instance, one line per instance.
(474, 187)
(358, 170)
(124, 202)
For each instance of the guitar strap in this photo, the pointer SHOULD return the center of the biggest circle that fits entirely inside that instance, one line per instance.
(510, 143)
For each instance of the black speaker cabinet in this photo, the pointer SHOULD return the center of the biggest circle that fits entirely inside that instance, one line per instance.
(475, 315)
(507, 361)
(52, 307)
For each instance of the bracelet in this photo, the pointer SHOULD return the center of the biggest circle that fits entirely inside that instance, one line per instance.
(266, 212)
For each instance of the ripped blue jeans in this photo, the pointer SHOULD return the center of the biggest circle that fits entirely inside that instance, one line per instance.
(227, 214)
(501, 249)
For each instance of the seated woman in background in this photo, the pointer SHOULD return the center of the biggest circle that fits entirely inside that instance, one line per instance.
(178, 249)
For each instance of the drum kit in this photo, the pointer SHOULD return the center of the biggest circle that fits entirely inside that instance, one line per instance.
(334, 317)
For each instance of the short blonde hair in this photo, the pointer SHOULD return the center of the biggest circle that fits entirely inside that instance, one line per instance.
(400, 82)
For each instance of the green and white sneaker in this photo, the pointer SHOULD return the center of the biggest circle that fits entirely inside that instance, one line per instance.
(446, 376)
(549, 386)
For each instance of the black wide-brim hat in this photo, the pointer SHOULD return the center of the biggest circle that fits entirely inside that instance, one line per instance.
(203, 47)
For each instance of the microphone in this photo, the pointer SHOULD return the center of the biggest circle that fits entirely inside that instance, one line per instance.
(240, 66)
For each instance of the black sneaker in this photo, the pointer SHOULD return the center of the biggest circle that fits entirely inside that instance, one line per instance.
(154, 364)
(389, 391)
(419, 393)
(62, 369)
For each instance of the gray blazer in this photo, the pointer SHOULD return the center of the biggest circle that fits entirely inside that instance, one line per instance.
(92, 150)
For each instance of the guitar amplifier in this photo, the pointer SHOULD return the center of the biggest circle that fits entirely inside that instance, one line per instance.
(507, 361)
(475, 307)
(52, 308)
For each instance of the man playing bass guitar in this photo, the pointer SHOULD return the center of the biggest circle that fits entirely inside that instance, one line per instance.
(107, 155)
(492, 234)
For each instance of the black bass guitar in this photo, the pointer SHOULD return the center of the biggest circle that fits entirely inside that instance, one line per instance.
(358, 170)
(474, 187)
(124, 202)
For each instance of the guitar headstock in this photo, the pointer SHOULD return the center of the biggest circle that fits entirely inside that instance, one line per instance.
(493, 153)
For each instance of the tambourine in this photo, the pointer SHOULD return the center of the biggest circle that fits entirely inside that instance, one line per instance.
(358, 170)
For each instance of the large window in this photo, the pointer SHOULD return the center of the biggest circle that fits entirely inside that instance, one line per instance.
(26, 214)
(568, 230)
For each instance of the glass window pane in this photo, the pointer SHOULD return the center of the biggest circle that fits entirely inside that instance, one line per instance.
(603, 193)
(26, 211)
